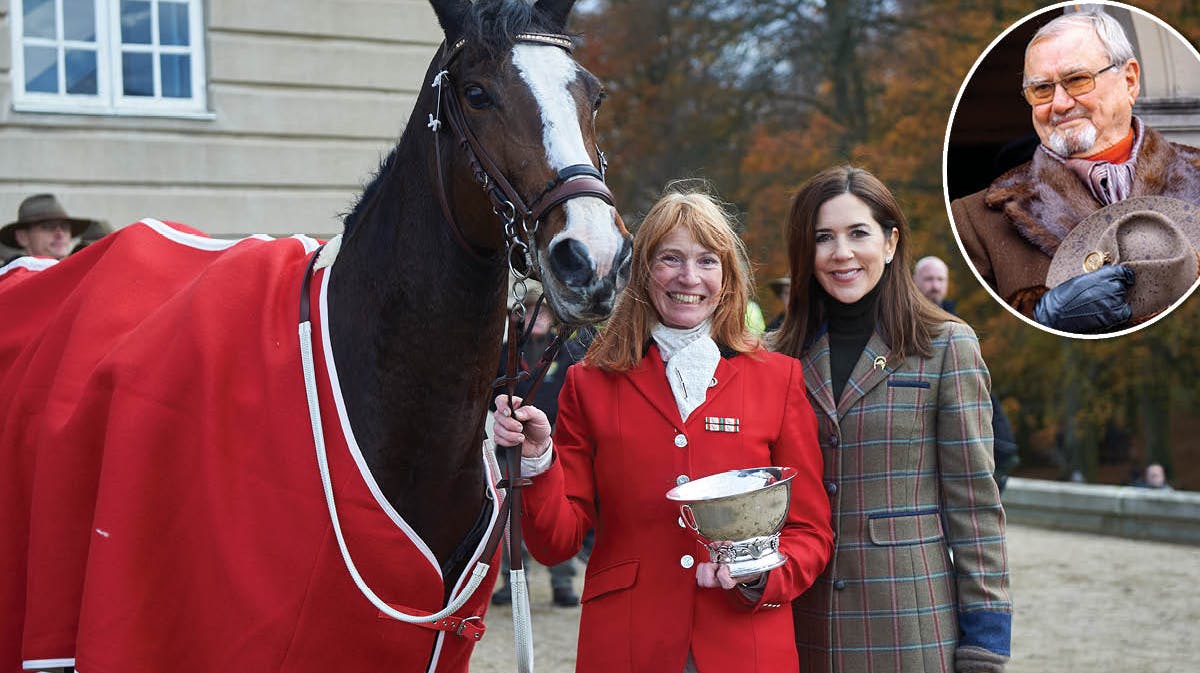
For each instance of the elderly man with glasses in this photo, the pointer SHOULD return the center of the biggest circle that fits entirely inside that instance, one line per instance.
(1081, 81)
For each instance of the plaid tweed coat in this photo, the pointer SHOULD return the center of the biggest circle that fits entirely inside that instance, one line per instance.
(908, 469)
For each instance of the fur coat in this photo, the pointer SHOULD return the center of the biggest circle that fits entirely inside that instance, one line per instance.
(1011, 229)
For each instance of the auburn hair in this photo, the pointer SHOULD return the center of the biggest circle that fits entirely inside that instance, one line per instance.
(906, 320)
(621, 343)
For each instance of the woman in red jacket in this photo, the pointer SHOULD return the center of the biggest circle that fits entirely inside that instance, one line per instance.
(632, 424)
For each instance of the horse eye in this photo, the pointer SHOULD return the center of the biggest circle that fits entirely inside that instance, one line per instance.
(477, 97)
(599, 100)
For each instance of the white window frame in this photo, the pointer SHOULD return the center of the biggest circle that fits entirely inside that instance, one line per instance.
(109, 98)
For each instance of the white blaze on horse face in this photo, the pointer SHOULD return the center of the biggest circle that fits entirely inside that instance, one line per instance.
(548, 71)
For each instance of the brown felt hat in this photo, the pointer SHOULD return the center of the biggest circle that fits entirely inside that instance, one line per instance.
(41, 208)
(1158, 237)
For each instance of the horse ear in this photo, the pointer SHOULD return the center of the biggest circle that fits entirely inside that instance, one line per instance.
(556, 10)
(451, 15)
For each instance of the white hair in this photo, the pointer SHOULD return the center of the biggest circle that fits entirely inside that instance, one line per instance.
(931, 259)
(1107, 29)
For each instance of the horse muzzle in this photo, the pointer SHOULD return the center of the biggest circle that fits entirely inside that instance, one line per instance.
(586, 273)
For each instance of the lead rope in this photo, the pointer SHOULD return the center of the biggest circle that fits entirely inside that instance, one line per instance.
(522, 617)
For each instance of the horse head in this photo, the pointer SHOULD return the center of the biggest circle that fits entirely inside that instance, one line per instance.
(524, 112)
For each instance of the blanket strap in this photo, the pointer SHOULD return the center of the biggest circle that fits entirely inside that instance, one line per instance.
(471, 628)
(478, 573)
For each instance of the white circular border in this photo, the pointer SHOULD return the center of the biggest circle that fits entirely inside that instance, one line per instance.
(945, 172)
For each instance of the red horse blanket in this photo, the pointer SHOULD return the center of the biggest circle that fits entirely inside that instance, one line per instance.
(160, 504)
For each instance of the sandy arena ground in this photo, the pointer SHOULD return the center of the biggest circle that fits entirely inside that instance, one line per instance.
(1084, 604)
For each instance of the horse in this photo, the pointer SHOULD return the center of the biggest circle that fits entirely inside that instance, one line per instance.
(162, 504)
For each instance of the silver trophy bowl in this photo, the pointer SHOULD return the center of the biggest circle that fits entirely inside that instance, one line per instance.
(737, 515)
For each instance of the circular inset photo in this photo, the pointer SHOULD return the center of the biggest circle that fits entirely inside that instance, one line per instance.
(1071, 169)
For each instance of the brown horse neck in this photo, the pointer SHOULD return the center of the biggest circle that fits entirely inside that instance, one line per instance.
(415, 329)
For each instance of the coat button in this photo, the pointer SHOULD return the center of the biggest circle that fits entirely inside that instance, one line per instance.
(681, 480)
(680, 440)
(833, 440)
(830, 487)
(687, 561)
(838, 585)
(713, 382)
(681, 523)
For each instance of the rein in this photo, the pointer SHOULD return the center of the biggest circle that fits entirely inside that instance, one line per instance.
(520, 220)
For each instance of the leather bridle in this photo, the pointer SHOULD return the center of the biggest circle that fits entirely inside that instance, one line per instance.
(569, 182)
(512, 209)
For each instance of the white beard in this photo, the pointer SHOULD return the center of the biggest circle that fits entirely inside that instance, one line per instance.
(1068, 143)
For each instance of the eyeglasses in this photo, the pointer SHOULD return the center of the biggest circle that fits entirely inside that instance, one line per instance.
(52, 226)
(1076, 84)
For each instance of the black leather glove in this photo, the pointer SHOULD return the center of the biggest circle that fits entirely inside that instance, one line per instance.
(1093, 302)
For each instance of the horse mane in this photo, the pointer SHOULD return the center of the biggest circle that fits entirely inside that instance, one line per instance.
(368, 192)
(495, 24)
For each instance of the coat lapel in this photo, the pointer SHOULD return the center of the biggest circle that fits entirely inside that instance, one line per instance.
(873, 367)
(817, 376)
(648, 379)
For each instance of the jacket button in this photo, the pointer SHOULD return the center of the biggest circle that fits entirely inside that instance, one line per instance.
(681, 523)
(681, 480)
(687, 561)
(838, 585)
(680, 440)
(833, 440)
(830, 487)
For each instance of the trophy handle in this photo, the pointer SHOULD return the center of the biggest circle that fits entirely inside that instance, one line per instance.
(688, 517)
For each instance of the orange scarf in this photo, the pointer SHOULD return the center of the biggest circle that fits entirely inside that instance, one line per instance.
(1117, 154)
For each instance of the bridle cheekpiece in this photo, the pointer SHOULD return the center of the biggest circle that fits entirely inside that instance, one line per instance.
(509, 206)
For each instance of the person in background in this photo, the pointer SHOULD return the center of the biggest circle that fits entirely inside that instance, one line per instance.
(1154, 476)
(43, 228)
(1081, 81)
(904, 420)
(675, 387)
(780, 286)
(932, 278)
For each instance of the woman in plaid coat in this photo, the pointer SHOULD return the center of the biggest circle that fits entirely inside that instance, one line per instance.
(919, 576)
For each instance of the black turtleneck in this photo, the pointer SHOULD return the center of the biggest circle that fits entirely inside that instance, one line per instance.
(850, 328)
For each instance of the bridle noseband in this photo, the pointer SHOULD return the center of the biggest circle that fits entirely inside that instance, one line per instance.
(507, 203)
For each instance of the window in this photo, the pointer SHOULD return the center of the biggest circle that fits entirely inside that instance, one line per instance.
(108, 56)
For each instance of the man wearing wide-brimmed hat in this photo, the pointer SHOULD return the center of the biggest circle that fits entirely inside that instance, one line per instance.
(43, 228)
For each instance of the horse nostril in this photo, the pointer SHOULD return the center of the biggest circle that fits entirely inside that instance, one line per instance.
(570, 261)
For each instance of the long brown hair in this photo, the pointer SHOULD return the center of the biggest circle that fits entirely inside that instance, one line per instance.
(619, 346)
(905, 319)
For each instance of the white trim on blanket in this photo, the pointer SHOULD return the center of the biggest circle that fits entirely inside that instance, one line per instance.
(28, 263)
(36, 664)
(194, 241)
(216, 244)
(348, 433)
(491, 469)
